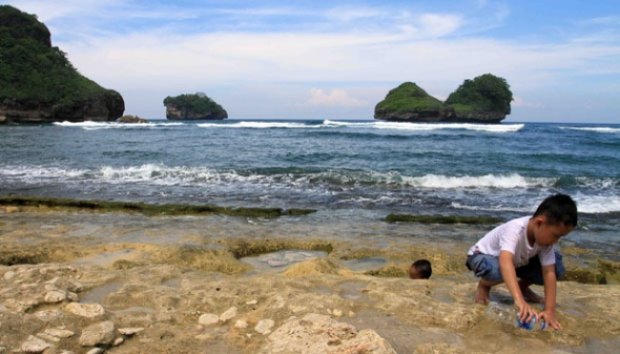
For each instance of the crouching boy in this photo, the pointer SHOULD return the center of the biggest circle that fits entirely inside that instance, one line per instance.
(521, 253)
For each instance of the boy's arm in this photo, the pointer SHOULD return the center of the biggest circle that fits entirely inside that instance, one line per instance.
(550, 280)
(509, 275)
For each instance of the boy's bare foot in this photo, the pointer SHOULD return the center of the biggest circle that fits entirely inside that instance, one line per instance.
(530, 296)
(482, 294)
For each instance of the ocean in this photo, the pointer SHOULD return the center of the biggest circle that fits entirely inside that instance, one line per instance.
(368, 168)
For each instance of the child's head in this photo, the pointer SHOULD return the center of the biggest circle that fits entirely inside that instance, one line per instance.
(555, 217)
(420, 269)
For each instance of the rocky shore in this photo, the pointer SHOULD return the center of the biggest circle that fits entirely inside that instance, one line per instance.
(90, 282)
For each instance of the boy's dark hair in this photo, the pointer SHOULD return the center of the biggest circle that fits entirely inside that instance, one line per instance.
(559, 209)
(424, 267)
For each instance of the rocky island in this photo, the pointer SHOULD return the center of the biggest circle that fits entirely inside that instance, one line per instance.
(37, 81)
(196, 106)
(485, 99)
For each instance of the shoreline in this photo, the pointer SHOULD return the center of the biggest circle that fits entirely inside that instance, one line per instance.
(164, 274)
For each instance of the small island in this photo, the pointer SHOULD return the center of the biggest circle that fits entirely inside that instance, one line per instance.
(485, 99)
(38, 84)
(196, 106)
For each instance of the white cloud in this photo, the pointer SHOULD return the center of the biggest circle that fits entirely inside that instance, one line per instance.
(335, 97)
(518, 101)
(366, 50)
(436, 25)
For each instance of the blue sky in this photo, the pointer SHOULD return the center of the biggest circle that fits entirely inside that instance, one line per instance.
(337, 59)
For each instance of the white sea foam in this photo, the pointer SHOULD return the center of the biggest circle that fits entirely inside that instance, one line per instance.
(160, 174)
(90, 125)
(594, 129)
(597, 204)
(260, 125)
(485, 181)
(491, 208)
(493, 128)
(32, 173)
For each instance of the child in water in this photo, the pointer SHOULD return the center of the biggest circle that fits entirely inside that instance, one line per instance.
(420, 269)
(521, 252)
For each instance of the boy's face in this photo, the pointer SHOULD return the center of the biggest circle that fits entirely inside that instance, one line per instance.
(414, 273)
(546, 233)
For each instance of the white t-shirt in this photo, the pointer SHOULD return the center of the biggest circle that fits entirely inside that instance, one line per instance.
(512, 237)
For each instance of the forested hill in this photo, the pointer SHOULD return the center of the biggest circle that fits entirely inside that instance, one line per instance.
(37, 81)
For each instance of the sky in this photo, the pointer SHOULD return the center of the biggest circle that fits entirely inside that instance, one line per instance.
(338, 59)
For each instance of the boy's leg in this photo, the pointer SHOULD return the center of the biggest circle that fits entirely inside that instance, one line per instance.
(487, 268)
(531, 273)
(483, 290)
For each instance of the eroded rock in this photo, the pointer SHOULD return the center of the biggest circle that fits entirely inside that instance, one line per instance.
(316, 333)
(101, 333)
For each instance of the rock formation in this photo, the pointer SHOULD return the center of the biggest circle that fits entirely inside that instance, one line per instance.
(37, 81)
(196, 106)
(485, 99)
(131, 119)
(410, 103)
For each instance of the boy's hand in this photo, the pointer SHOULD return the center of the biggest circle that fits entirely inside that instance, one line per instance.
(525, 312)
(549, 318)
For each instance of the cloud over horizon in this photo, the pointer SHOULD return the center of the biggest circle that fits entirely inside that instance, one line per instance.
(340, 60)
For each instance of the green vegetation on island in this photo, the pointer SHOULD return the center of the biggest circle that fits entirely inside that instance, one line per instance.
(485, 99)
(37, 81)
(409, 101)
(196, 106)
(485, 94)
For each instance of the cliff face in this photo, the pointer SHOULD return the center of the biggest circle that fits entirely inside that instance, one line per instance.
(193, 107)
(485, 99)
(39, 84)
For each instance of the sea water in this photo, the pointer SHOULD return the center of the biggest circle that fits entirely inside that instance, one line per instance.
(341, 168)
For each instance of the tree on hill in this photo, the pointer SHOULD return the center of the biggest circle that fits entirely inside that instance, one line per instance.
(485, 93)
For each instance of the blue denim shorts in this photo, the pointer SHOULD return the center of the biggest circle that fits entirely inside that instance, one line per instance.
(487, 267)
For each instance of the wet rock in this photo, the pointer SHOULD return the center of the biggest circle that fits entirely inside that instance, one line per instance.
(55, 296)
(34, 345)
(85, 310)
(241, 324)
(264, 326)
(95, 351)
(59, 332)
(208, 319)
(48, 315)
(101, 333)
(316, 333)
(228, 314)
(130, 331)
(8, 276)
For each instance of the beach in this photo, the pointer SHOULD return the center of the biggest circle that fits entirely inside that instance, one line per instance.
(219, 283)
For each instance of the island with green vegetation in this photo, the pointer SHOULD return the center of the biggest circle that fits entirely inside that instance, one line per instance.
(485, 99)
(37, 81)
(196, 106)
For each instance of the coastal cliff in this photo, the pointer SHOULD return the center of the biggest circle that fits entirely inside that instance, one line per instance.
(196, 106)
(37, 81)
(485, 99)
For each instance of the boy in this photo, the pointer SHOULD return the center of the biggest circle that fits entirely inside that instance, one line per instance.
(523, 248)
(420, 269)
